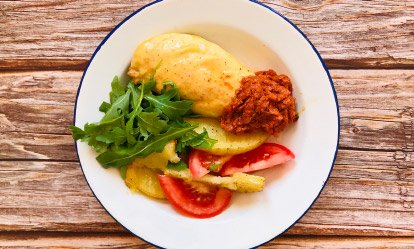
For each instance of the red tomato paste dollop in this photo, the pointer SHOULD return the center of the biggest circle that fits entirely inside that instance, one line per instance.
(263, 101)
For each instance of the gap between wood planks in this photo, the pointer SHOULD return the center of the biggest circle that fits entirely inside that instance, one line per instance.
(348, 34)
(126, 240)
(44, 234)
(127, 233)
(80, 65)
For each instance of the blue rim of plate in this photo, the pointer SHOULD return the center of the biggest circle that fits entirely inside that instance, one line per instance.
(275, 12)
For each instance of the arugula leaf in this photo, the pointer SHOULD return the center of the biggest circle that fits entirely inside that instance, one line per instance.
(149, 85)
(92, 132)
(177, 166)
(104, 107)
(201, 140)
(192, 115)
(136, 92)
(170, 87)
(195, 140)
(129, 128)
(214, 167)
(119, 107)
(95, 129)
(117, 89)
(98, 146)
(138, 122)
(150, 122)
(123, 171)
(156, 143)
(137, 95)
(145, 89)
(77, 133)
(116, 136)
(166, 104)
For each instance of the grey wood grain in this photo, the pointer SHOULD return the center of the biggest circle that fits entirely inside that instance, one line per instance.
(64, 34)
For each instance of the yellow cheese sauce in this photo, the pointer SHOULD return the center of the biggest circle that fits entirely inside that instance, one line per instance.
(204, 72)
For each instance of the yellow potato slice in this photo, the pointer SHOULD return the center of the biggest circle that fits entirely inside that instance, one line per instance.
(248, 183)
(145, 180)
(158, 160)
(239, 182)
(227, 143)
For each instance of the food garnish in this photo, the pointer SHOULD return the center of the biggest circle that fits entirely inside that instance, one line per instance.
(138, 122)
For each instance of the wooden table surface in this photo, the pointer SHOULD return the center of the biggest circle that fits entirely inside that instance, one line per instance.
(367, 45)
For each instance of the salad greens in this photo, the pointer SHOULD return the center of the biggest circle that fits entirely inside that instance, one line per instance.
(177, 166)
(138, 122)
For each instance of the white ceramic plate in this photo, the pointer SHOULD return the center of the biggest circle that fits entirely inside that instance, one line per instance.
(261, 38)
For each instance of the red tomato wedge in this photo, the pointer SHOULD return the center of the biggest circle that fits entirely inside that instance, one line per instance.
(195, 199)
(201, 162)
(265, 156)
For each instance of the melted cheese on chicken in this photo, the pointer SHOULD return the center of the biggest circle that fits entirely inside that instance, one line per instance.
(204, 72)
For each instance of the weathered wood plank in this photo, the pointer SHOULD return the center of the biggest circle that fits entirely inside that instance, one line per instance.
(40, 102)
(52, 196)
(116, 241)
(26, 146)
(36, 109)
(386, 178)
(369, 193)
(349, 34)
(377, 108)
(340, 243)
(125, 241)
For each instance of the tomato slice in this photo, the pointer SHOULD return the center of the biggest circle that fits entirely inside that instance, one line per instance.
(201, 162)
(195, 199)
(265, 156)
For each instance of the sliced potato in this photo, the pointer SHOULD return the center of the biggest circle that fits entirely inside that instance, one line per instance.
(144, 180)
(248, 183)
(158, 160)
(239, 182)
(227, 143)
